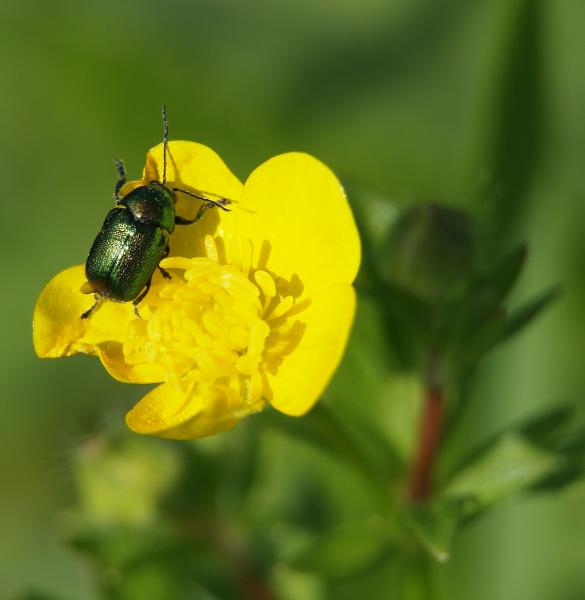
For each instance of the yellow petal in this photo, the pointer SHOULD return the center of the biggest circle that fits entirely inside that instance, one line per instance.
(112, 357)
(195, 167)
(168, 411)
(59, 330)
(303, 375)
(294, 206)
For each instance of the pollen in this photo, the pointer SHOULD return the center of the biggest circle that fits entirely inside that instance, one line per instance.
(217, 328)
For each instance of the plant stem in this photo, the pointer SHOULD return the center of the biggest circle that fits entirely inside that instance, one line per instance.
(420, 480)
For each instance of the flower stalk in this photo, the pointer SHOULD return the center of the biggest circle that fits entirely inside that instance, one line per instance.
(429, 440)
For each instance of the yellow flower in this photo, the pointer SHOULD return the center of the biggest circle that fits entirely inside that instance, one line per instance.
(258, 308)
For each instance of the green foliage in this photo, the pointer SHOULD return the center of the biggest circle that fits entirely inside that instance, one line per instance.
(346, 550)
(546, 453)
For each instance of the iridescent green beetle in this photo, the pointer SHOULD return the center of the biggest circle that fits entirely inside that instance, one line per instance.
(135, 237)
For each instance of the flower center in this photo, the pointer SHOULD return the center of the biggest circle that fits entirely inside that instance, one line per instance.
(217, 329)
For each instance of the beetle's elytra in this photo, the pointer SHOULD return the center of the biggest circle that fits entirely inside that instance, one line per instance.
(134, 237)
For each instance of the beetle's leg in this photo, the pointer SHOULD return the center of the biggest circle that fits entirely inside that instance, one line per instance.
(140, 298)
(98, 300)
(182, 221)
(164, 272)
(121, 179)
(220, 202)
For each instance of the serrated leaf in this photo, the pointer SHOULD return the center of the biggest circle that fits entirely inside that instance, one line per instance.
(347, 550)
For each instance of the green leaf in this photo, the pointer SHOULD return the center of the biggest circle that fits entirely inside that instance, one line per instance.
(487, 292)
(36, 595)
(347, 550)
(122, 480)
(238, 466)
(483, 332)
(506, 467)
(510, 137)
(560, 430)
(403, 395)
(548, 429)
(122, 547)
(322, 428)
(525, 314)
(434, 525)
(502, 278)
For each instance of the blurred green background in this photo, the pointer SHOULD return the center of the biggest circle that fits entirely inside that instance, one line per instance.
(475, 103)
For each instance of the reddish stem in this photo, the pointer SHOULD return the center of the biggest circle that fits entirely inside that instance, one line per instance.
(419, 486)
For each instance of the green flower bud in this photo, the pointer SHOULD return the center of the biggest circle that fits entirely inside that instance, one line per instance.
(430, 251)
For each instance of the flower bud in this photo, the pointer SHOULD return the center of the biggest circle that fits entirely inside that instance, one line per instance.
(429, 251)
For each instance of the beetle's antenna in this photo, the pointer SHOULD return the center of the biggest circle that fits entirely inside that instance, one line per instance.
(165, 141)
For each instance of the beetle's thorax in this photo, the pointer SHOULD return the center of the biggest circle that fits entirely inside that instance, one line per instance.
(152, 204)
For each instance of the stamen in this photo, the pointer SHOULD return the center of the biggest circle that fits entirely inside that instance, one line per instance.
(214, 329)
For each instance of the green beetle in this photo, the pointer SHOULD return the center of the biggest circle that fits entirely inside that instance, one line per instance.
(135, 237)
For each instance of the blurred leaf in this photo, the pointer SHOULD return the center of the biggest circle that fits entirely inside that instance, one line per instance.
(525, 314)
(476, 321)
(238, 465)
(507, 466)
(156, 581)
(547, 450)
(195, 491)
(403, 313)
(403, 395)
(560, 430)
(434, 525)
(407, 320)
(123, 547)
(499, 280)
(548, 429)
(476, 341)
(322, 428)
(486, 292)
(122, 480)
(347, 550)
(375, 215)
(510, 136)
(292, 585)
(36, 595)
(482, 323)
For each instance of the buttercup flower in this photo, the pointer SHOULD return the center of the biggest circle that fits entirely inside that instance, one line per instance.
(258, 308)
